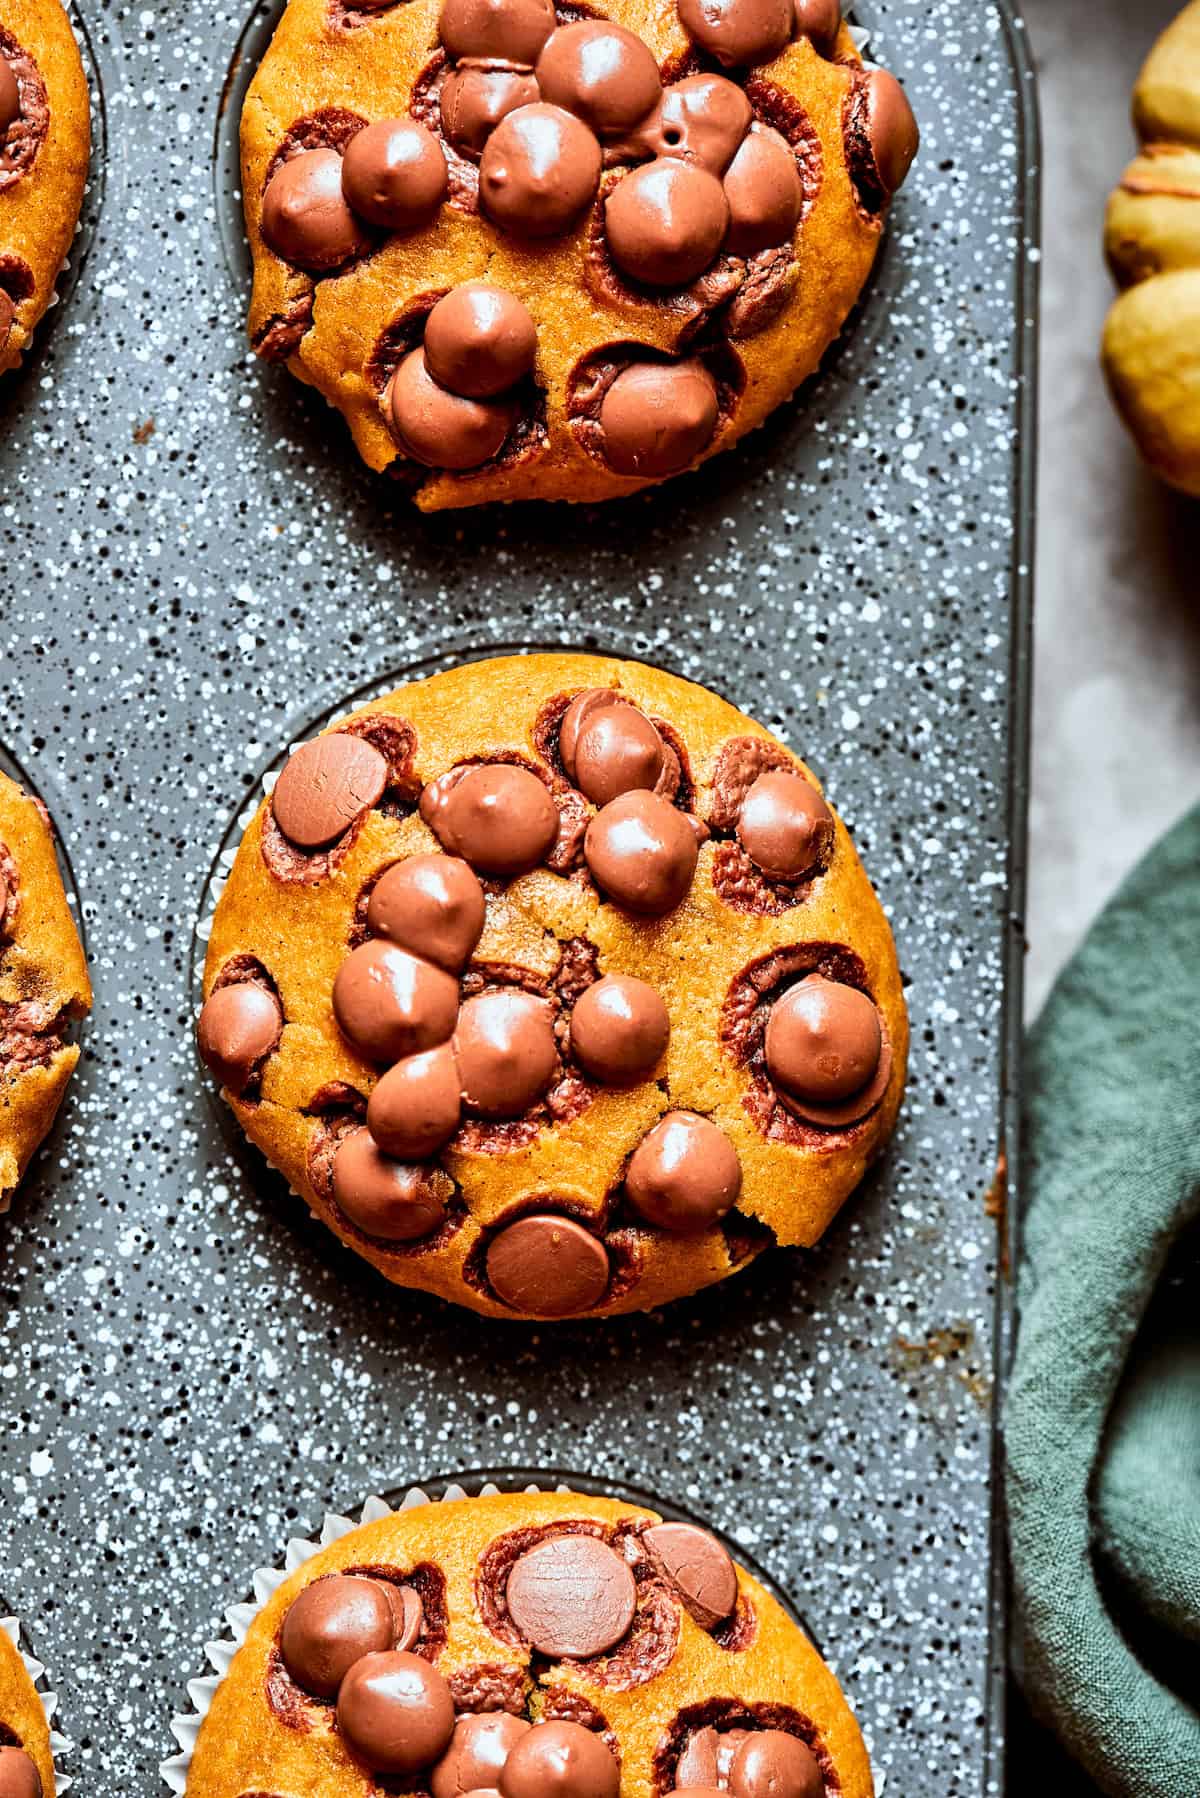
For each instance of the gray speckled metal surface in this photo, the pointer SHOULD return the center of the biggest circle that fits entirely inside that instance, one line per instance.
(196, 569)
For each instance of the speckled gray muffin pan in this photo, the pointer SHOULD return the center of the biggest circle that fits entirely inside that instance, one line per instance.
(196, 568)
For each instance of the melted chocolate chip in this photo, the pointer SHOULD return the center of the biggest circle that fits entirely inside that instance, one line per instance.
(738, 32)
(239, 1027)
(763, 192)
(539, 170)
(432, 905)
(332, 1624)
(684, 1174)
(785, 826)
(475, 1758)
(394, 174)
(480, 340)
(19, 1777)
(617, 750)
(305, 217)
(701, 119)
(475, 97)
(417, 1105)
(823, 1043)
(619, 1030)
(497, 816)
(657, 417)
(560, 1760)
(441, 429)
(10, 95)
(395, 1712)
(642, 853)
(497, 30)
(697, 1566)
(390, 1200)
(602, 72)
(326, 787)
(772, 1763)
(547, 1266)
(506, 1050)
(390, 1004)
(571, 1597)
(665, 221)
(820, 21)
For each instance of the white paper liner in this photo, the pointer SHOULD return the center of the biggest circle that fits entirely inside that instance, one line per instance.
(59, 1744)
(266, 1581)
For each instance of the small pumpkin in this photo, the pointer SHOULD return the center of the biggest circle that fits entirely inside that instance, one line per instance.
(1151, 347)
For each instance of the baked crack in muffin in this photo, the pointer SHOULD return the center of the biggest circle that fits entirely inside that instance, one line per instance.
(554, 987)
(561, 253)
(44, 983)
(531, 1645)
(44, 146)
(26, 1758)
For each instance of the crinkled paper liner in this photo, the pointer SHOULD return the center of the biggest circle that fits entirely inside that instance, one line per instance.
(267, 1580)
(59, 1743)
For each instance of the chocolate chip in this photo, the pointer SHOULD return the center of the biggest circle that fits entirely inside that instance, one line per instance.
(441, 429)
(619, 1030)
(657, 417)
(545, 1266)
(478, 1750)
(617, 751)
(10, 94)
(432, 905)
(19, 1777)
(506, 1050)
(390, 1003)
(685, 1174)
(738, 32)
(394, 174)
(891, 128)
(238, 1028)
(702, 119)
(823, 1042)
(384, 1197)
(479, 340)
(763, 192)
(408, 1614)
(665, 221)
(416, 1106)
(332, 1624)
(820, 21)
(560, 1760)
(326, 787)
(601, 72)
(642, 853)
(540, 168)
(497, 30)
(592, 699)
(395, 1712)
(770, 1763)
(699, 1766)
(785, 826)
(699, 1568)
(571, 1597)
(305, 218)
(475, 97)
(499, 817)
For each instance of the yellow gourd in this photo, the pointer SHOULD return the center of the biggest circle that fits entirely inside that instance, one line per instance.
(1151, 348)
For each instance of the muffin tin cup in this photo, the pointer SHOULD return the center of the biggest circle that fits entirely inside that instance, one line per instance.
(185, 1726)
(60, 1745)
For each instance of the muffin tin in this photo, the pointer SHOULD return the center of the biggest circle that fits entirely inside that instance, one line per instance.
(197, 572)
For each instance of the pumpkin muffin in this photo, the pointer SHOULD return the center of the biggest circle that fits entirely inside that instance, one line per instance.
(527, 1644)
(44, 146)
(44, 983)
(554, 987)
(561, 253)
(26, 1757)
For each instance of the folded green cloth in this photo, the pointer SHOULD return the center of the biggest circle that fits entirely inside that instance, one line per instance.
(1102, 1423)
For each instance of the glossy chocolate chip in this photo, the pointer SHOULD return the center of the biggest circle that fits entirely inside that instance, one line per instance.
(560, 1760)
(642, 853)
(703, 1764)
(395, 1712)
(657, 417)
(432, 905)
(619, 1030)
(497, 816)
(823, 1041)
(238, 1028)
(332, 1624)
(548, 1266)
(478, 1750)
(394, 174)
(702, 119)
(689, 1791)
(19, 1777)
(617, 751)
(480, 340)
(891, 128)
(441, 429)
(571, 1597)
(305, 217)
(685, 1174)
(764, 193)
(326, 787)
(475, 97)
(539, 170)
(600, 71)
(592, 699)
(417, 1105)
(739, 33)
(819, 21)
(506, 1051)
(665, 221)
(784, 825)
(10, 94)
(390, 1003)
(770, 1763)
(497, 30)
(386, 1198)
(409, 1614)
(698, 1567)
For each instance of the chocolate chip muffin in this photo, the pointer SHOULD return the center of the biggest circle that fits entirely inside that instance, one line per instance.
(526, 1645)
(26, 1760)
(555, 987)
(44, 145)
(43, 983)
(556, 253)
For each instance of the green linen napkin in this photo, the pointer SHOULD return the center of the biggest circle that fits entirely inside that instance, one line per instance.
(1102, 1423)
